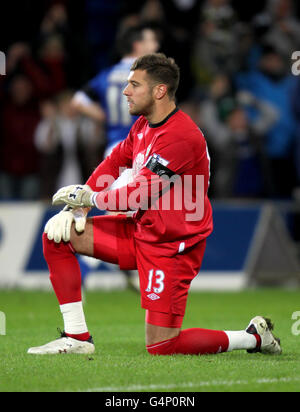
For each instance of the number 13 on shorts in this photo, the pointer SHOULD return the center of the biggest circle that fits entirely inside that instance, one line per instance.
(155, 281)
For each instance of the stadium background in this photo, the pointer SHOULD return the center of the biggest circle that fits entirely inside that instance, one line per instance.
(223, 49)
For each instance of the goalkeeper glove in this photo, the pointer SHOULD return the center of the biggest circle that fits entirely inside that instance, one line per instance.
(59, 226)
(75, 196)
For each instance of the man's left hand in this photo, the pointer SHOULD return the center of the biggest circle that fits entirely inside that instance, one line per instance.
(74, 196)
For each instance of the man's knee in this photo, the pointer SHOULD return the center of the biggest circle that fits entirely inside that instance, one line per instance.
(161, 341)
(52, 250)
(156, 334)
(47, 245)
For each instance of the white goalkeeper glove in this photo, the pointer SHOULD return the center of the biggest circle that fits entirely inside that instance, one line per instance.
(58, 228)
(75, 196)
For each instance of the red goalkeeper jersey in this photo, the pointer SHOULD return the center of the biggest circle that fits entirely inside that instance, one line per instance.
(170, 165)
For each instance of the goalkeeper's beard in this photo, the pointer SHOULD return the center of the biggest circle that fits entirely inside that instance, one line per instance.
(145, 110)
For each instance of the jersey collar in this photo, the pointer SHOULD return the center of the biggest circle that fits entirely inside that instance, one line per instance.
(154, 125)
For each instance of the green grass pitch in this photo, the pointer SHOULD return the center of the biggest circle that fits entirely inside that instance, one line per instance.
(121, 363)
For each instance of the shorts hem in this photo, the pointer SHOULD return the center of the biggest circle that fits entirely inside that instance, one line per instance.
(166, 320)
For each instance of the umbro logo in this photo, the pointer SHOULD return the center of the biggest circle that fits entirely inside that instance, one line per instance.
(153, 296)
(140, 136)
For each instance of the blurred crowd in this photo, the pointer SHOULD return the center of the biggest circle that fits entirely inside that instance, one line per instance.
(236, 84)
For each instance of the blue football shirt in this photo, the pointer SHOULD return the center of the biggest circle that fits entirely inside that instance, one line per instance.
(108, 88)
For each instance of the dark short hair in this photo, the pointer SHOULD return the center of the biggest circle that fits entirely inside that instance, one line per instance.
(160, 69)
(127, 36)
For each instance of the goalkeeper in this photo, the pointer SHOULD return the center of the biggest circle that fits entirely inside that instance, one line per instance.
(166, 237)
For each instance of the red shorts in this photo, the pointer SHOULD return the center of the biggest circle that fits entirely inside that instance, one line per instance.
(165, 270)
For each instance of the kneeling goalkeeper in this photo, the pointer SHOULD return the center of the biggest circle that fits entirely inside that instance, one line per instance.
(164, 240)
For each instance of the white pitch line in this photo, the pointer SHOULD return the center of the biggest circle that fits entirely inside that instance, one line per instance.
(135, 388)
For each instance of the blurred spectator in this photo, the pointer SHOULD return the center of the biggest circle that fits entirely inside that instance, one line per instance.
(152, 11)
(19, 159)
(176, 23)
(180, 28)
(279, 27)
(220, 12)
(216, 45)
(52, 63)
(60, 40)
(214, 109)
(47, 72)
(55, 59)
(235, 143)
(69, 145)
(55, 20)
(50, 151)
(272, 83)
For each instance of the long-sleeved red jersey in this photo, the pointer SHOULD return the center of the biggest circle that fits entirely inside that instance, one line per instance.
(170, 165)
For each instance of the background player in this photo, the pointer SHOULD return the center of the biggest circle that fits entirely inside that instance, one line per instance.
(102, 98)
(165, 246)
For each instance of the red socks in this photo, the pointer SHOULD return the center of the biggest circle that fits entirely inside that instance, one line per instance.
(64, 270)
(65, 277)
(193, 341)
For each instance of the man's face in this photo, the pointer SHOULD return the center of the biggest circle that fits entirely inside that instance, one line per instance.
(139, 93)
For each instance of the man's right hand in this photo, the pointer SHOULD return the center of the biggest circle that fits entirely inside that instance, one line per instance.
(58, 228)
